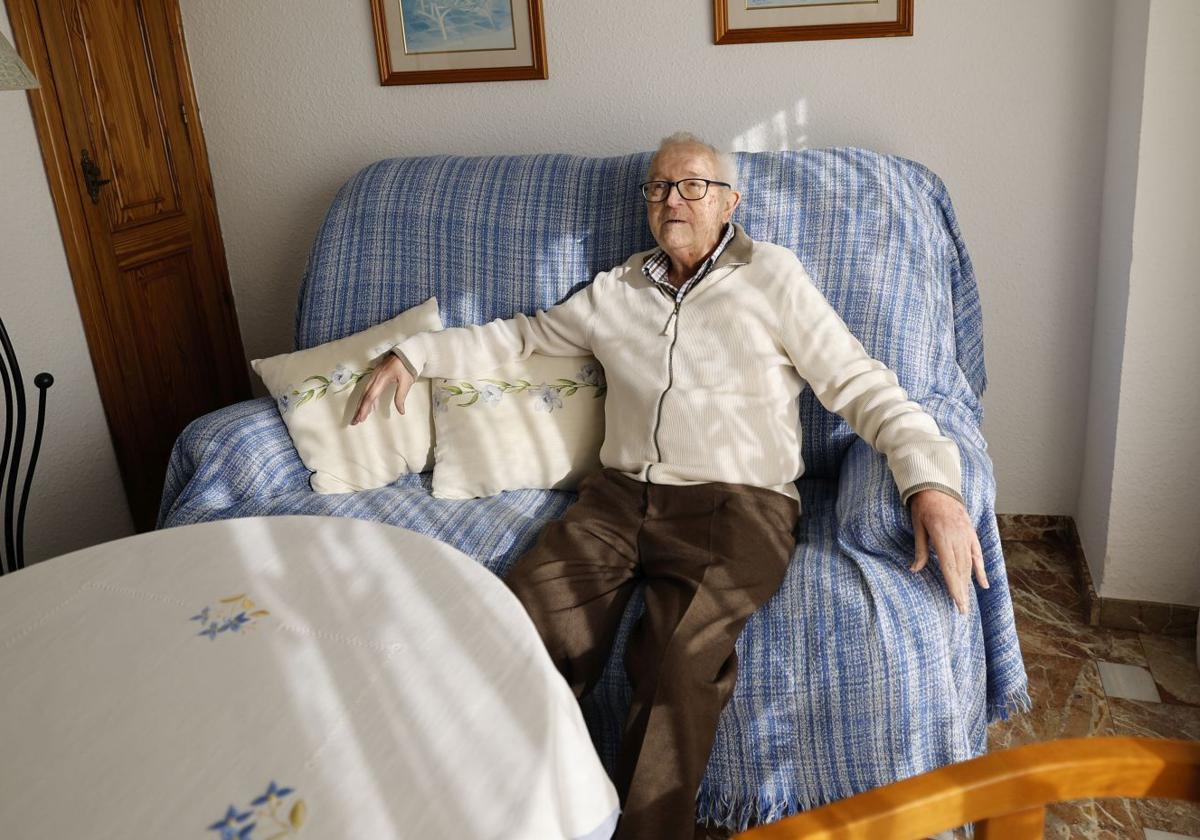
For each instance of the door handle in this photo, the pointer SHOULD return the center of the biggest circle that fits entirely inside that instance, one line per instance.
(91, 176)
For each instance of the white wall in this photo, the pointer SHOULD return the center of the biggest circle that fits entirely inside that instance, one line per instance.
(76, 498)
(1006, 101)
(1152, 546)
(1130, 25)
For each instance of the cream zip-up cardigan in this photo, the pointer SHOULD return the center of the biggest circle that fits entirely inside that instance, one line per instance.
(707, 389)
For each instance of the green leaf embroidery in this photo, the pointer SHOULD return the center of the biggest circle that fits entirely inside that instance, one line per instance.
(322, 386)
(563, 387)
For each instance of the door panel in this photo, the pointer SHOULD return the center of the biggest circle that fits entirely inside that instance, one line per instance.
(146, 256)
(119, 95)
(163, 304)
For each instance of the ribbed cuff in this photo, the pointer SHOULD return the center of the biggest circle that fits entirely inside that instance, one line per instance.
(939, 469)
(933, 485)
(406, 356)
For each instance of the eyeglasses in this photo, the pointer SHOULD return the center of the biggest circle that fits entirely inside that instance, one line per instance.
(693, 189)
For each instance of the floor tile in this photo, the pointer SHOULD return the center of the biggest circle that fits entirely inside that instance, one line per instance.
(1160, 720)
(1172, 662)
(1154, 834)
(1130, 682)
(1049, 609)
(1068, 702)
(1026, 556)
(1061, 658)
(1024, 526)
(1050, 623)
(1165, 815)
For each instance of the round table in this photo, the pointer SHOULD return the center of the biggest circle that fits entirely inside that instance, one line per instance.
(284, 676)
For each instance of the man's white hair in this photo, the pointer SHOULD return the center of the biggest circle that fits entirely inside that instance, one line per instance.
(726, 167)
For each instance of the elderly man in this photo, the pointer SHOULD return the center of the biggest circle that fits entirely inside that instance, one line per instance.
(707, 342)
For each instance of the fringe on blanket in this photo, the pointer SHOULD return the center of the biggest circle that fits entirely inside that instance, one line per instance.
(1015, 701)
(720, 808)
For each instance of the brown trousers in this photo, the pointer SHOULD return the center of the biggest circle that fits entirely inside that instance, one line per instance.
(709, 556)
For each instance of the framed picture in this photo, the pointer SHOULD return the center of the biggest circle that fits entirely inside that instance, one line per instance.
(751, 21)
(424, 42)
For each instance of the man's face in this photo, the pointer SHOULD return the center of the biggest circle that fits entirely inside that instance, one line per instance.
(689, 229)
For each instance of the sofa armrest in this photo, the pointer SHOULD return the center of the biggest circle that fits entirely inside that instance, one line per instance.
(870, 514)
(226, 457)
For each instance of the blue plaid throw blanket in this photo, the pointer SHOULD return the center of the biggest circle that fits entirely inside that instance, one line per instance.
(857, 673)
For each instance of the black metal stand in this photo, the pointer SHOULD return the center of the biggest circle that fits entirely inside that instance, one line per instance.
(13, 556)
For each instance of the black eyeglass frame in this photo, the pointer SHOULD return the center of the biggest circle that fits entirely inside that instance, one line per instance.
(708, 182)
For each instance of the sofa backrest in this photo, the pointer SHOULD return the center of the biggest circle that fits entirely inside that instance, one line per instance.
(493, 236)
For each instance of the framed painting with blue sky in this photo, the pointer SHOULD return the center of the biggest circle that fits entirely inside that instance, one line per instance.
(436, 41)
(755, 21)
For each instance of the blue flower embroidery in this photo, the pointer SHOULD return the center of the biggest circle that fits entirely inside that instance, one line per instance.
(272, 791)
(271, 815)
(236, 622)
(546, 399)
(490, 394)
(231, 615)
(227, 827)
(591, 374)
(341, 375)
(440, 401)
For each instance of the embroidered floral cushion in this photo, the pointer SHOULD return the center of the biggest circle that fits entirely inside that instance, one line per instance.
(318, 390)
(537, 423)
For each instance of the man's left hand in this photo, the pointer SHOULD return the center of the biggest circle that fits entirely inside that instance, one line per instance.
(939, 517)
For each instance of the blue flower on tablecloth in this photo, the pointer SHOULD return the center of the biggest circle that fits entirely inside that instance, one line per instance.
(546, 398)
(236, 622)
(271, 814)
(228, 828)
(272, 791)
(230, 615)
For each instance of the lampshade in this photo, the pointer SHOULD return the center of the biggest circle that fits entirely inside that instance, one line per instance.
(14, 75)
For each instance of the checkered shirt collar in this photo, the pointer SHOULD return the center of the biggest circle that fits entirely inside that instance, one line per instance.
(658, 264)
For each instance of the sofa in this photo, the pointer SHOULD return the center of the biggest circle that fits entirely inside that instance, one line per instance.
(858, 672)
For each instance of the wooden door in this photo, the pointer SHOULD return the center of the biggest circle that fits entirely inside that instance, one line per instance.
(122, 143)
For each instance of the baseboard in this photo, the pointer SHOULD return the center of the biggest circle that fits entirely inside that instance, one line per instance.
(1117, 613)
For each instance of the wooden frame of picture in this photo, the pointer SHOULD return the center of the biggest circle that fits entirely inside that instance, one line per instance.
(756, 21)
(423, 42)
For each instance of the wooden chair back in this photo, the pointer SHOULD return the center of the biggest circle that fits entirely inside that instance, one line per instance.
(1004, 793)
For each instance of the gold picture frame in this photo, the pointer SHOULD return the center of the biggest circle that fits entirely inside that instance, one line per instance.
(425, 42)
(759, 21)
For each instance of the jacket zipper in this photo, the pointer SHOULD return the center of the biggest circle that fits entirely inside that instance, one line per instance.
(670, 381)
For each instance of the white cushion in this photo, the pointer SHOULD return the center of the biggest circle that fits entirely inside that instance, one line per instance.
(537, 423)
(318, 391)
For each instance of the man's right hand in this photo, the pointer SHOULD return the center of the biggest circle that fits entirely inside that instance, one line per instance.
(391, 371)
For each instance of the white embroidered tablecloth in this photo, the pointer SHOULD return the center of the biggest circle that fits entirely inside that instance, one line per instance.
(284, 676)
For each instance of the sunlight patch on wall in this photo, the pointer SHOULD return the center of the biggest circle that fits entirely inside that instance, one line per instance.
(783, 130)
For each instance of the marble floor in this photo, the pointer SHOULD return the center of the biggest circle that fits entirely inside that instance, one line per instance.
(1095, 681)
